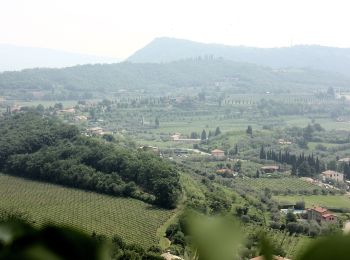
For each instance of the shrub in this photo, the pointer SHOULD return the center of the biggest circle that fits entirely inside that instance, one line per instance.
(300, 205)
(245, 218)
(275, 225)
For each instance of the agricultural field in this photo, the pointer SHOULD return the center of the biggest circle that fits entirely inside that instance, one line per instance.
(328, 201)
(135, 221)
(278, 185)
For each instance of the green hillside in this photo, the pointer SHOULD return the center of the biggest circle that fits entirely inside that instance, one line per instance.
(201, 73)
(133, 220)
(43, 148)
(299, 56)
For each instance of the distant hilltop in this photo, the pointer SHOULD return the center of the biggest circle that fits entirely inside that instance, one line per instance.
(301, 56)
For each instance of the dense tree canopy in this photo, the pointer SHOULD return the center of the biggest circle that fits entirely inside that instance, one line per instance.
(45, 149)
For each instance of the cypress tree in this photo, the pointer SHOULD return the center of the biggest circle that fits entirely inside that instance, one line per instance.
(204, 135)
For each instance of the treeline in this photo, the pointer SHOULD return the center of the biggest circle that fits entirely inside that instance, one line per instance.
(302, 165)
(47, 150)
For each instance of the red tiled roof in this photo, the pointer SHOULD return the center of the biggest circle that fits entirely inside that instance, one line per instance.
(319, 209)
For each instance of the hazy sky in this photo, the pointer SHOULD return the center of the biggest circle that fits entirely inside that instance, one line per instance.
(117, 28)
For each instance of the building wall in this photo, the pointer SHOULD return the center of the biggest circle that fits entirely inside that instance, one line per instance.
(314, 215)
(339, 177)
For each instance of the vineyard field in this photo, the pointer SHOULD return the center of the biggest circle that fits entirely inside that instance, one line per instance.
(135, 221)
(280, 186)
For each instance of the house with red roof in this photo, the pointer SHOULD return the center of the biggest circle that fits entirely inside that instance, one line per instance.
(321, 214)
(218, 154)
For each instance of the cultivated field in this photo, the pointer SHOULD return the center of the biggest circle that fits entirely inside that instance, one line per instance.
(329, 201)
(278, 185)
(135, 221)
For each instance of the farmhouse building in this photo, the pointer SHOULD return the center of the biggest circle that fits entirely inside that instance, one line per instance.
(269, 168)
(333, 175)
(321, 214)
(218, 154)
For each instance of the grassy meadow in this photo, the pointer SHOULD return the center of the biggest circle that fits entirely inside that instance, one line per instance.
(328, 201)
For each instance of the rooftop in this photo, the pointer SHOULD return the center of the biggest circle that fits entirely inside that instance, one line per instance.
(319, 209)
(329, 172)
(217, 151)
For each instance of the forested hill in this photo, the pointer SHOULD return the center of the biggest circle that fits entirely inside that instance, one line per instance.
(40, 148)
(185, 73)
(310, 56)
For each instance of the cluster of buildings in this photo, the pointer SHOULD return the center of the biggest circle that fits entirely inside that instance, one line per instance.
(316, 213)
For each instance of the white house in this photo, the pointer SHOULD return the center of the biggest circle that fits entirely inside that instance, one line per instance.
(333, 175)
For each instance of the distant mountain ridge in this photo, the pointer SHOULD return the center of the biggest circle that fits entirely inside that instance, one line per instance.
(20, 57)
(174, 75)
(301, 56)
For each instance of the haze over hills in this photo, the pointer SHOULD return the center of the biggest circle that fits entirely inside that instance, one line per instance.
(170, 76)
(310, 56)
(20, 57)
(168, 64)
